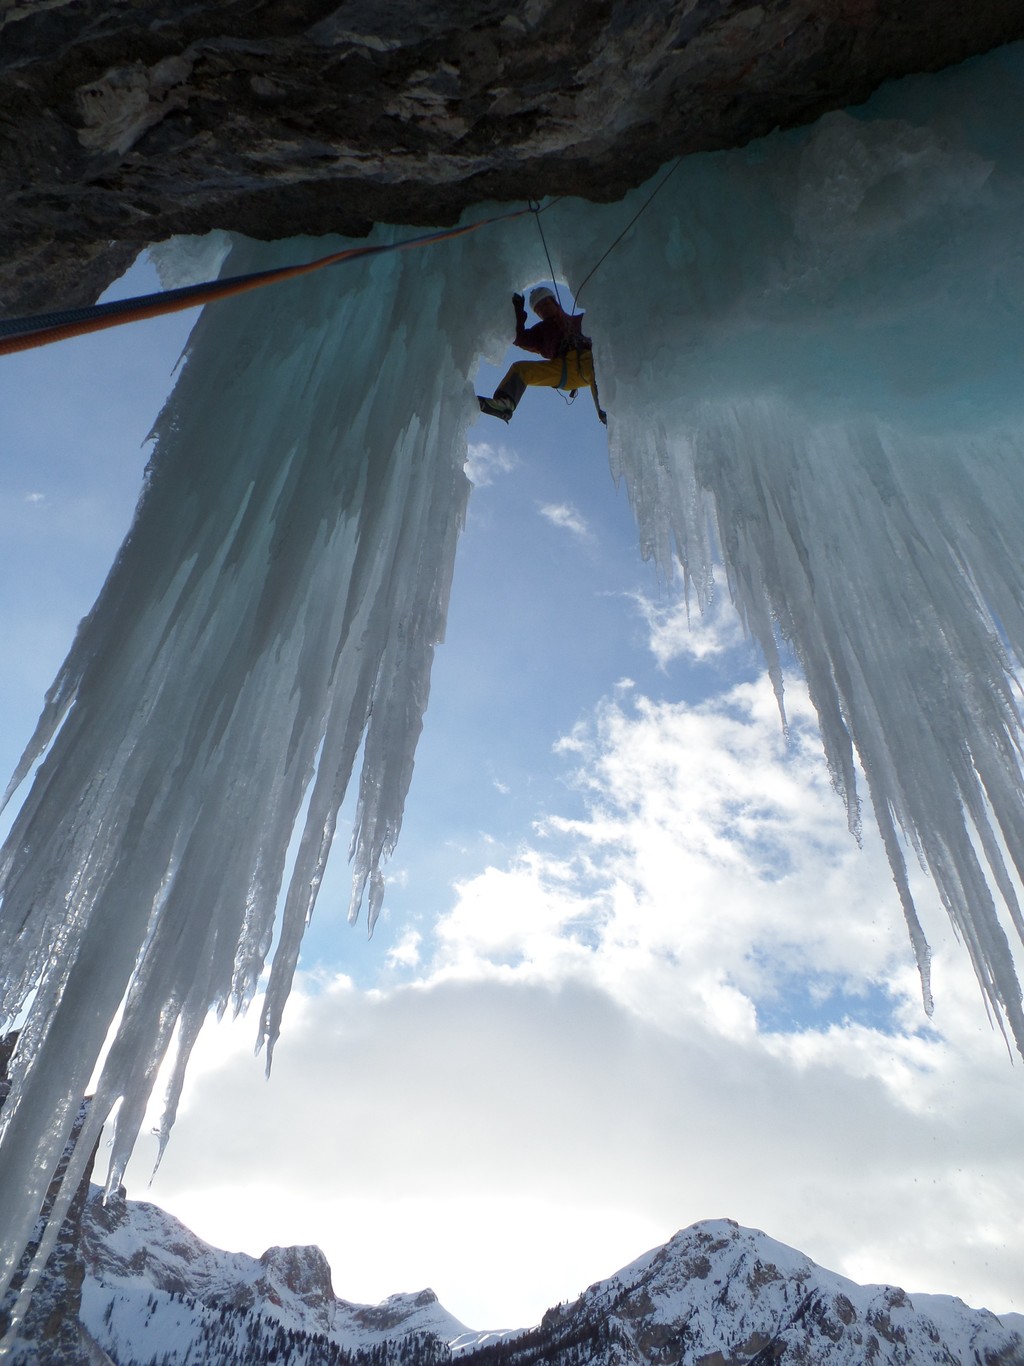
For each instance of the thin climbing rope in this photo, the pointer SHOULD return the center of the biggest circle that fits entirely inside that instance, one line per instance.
(21, 334)
(657, 189)
(536, 211)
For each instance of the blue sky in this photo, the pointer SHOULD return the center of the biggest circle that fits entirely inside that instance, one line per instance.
(632, 969)
(546, 618)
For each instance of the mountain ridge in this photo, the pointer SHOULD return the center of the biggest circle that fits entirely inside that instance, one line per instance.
(716, 1294)
(718, 1283)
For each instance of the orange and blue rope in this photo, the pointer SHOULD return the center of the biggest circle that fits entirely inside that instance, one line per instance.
(21, 334)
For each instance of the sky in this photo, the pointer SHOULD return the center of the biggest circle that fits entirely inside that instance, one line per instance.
(632, 969)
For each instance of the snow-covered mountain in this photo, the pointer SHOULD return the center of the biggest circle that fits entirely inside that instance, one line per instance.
(154, 1292)
(721, 1295)
(716, 1295)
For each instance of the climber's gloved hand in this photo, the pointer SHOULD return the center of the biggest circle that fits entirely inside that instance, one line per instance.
(518, 303)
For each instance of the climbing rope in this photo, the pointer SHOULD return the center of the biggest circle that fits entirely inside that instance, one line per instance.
(535, 209)
(643, 207)
(21, 334)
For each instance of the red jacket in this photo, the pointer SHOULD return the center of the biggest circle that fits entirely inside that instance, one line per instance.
(552, 337)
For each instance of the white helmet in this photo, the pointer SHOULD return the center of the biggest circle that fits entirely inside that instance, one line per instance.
(539, 294)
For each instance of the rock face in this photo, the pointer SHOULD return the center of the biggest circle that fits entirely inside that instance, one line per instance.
(301, 1272)
(126, 121)
(51, 1333)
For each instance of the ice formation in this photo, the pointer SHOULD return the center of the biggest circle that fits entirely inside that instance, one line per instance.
(810, 351)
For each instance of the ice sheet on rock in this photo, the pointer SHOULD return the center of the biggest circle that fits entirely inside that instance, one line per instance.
(187, 260)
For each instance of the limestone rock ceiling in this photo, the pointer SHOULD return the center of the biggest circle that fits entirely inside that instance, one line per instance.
(125, 121)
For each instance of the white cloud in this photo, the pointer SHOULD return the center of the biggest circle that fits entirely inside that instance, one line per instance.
(695, 1000)
(714, 879)
(567, 517)
(485, 462)
(679, 630)
(406, 952)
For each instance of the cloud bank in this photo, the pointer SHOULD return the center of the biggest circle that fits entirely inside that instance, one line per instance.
(695, 1000)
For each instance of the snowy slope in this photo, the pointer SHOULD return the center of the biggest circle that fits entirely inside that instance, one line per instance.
(715, 1295)
(718, 1293)
(152, 1286)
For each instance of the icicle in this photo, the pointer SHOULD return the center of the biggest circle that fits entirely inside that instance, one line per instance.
(273, 611)
(815, 345)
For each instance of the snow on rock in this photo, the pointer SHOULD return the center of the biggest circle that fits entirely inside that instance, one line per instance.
(144, 1288)
(150, 1278)
(302, 1272)
(718, 1293)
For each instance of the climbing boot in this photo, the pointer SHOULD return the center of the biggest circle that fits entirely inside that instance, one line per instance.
(497, 407)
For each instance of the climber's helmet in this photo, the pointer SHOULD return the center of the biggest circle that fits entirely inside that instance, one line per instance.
(539, 294)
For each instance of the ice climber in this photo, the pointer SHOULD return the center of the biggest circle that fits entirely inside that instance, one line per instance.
(568, 355)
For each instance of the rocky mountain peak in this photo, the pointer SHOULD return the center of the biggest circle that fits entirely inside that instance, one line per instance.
(718, 1286)
(302, 1271)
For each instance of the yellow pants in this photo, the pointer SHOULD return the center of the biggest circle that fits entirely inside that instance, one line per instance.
(576, 366)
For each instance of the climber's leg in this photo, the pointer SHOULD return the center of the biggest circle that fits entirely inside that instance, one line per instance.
(511, 389)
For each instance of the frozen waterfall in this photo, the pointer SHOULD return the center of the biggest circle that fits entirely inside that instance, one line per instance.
(811, 354)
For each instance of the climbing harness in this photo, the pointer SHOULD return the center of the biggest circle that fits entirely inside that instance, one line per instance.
(592, 386)
(536, 210)
(560, 387)
(21, 334)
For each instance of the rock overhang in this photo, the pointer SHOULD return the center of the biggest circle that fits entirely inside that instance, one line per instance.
(128, 122)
